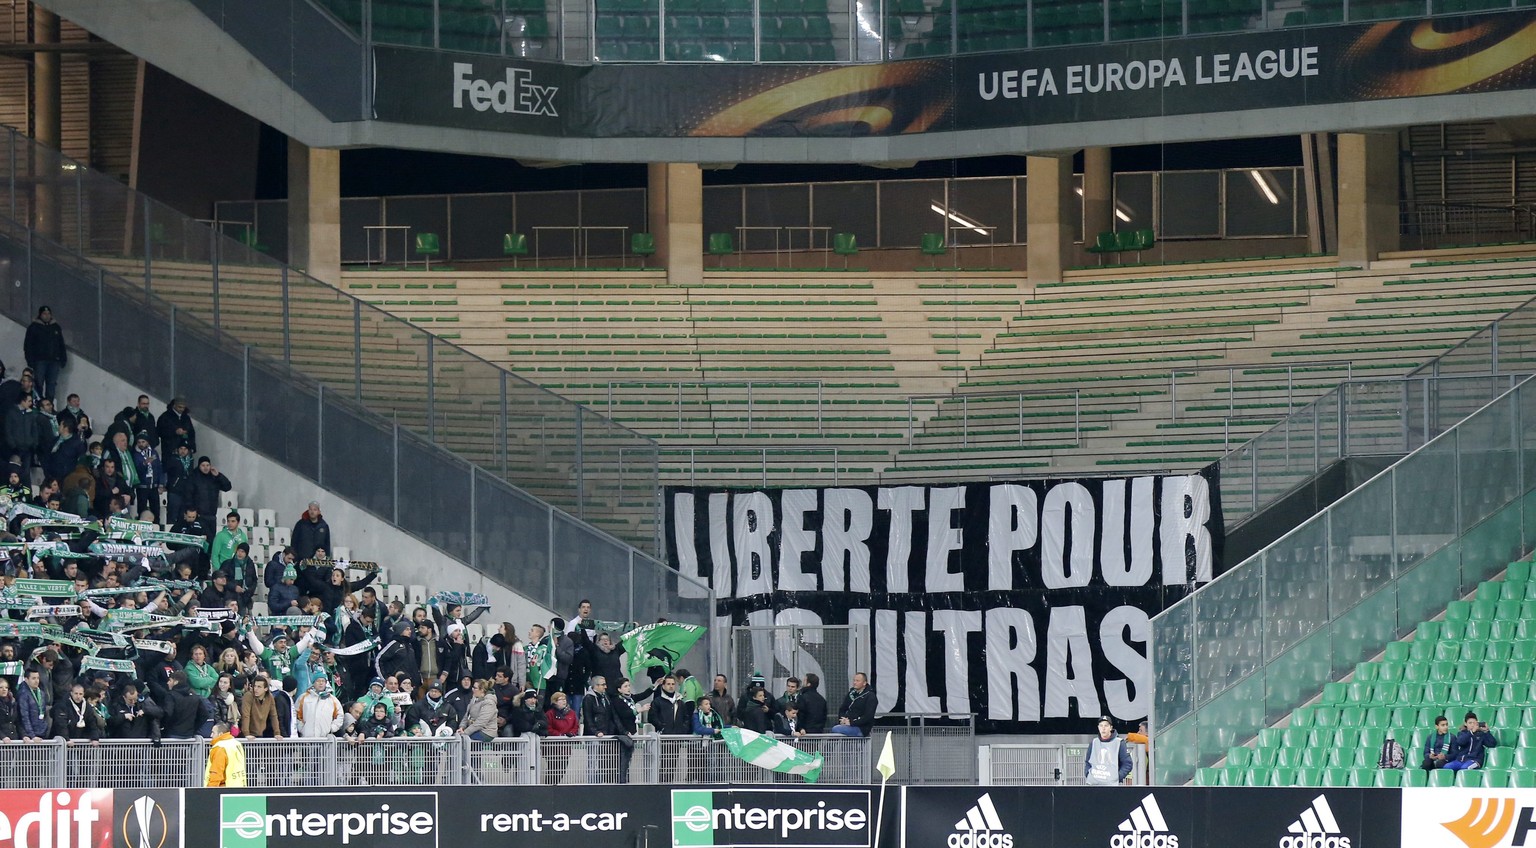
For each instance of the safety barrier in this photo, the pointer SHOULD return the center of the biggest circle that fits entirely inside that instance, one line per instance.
(415, 761)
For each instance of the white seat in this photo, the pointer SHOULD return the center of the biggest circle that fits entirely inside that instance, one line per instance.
(229, 500)
(259, 554)
(261, 535)
(266, 517)
(416, 595)
(247, 516)
(282, 536)
(165, 505)
(341, 552)
(474, 632)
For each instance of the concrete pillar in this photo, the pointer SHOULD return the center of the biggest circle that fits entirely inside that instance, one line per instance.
(1368, 192)
(47, 126)
(314, 211)
(1049, 188)
(1098, 193)
(675, 196)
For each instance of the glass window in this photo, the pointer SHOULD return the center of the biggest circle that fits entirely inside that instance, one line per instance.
(722, 210)
(846, 208)
(908, 209)
(1133, 202)
(1191, 204)
(988, 205)
(1261, 202)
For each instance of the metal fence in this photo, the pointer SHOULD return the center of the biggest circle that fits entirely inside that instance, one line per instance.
(1046, 764)
(931, 748)
(417, 761)
(833, 652)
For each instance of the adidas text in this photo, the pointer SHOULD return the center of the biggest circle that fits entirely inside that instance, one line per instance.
(1314, 841)
(980, 839)
(1144, 840)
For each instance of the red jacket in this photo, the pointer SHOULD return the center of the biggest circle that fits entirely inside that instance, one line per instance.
(563, 725)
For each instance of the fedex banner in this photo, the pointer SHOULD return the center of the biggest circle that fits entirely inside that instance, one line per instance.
(1027, 603)
(1302, 66)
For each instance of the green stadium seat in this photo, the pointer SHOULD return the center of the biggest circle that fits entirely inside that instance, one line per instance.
(1398, 651)
(1335, 777)
(1404, 717)
(1458, 611)
(1497, 649)
(1495, 778)
(1288, 758)
(1335, 693)
(933, 246)
(1527, 738)
(1522, 779)
(1442, 777)
(1518, 572)
(1482, 610)
(514, 245)
(1264, 757)
(1366, 672)
(428, 246)
(1239, 756)
(1500, 758)
(1427, 631)
(1271, 738)
(720, 244)
(1508, 623)
(1415, 672)
(1487, 590)
(1378, 717)
(642, 245)
(1287, 777)
(1314, 758)
(1422, 650)
(1442, 671)
(845, 245)
(1413, 777)
(1345, 757)
(1349, 717)
(1311, 716)
(1469, 777)
(1462, 694)
(1364, 777)
(1372, 737)
(1389, 778)
(1390, 672)
(1524, 759)
(1472, 650)
(1454, 630)
(1208, 777)
(1308, 777)
(1512, 591)
(1257, 777)
(1295, 738)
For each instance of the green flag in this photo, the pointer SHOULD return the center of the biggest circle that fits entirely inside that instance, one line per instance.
(541, 661)
(766, 752)
(659, 646)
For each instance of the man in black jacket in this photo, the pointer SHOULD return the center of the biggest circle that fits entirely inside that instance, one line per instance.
(311, 533)
(813, 707)
(528, 718)
(133, 717)
(184, 711)
(175, 426)
(202, 490)
(74, 719)
(857, 715)
(45, 351)
(135, 419)
(670, 714)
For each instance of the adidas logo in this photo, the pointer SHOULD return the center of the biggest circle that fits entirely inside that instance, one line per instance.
(1315, 828)
(981, 828)
(1145, 828)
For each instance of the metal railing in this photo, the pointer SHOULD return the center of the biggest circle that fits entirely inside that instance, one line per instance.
(843, 31)
(417, 761)
(878, 212)
(1446, 223)
(1264, 637)
(1047, 764)
(1068, 413)
(414, 429)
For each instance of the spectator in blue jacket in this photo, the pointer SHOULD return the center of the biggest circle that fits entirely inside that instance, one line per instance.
(1470, 744)
(34, 706)
(1437, 746)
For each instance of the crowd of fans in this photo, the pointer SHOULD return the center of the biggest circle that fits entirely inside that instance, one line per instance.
(160, 633)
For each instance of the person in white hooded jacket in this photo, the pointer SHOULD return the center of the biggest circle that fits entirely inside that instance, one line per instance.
(318, 712)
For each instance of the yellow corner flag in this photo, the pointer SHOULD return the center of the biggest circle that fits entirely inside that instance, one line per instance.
(887, 763)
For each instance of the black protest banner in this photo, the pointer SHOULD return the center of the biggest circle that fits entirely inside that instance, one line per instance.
(1026, 603)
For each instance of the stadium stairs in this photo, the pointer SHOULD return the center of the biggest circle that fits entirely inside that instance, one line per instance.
(966, 375)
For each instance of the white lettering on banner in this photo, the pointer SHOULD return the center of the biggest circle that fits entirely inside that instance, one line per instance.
(1138, 74)
(535, 822)
(902, 502)
(1455, 817)
(61, 820)
(1020, 602)
(795, 541)
(516, 95)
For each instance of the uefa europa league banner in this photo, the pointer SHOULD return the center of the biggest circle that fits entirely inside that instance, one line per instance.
(1293, 67)
(1025, 603)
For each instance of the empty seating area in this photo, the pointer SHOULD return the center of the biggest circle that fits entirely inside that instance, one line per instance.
(469, 25)
(695, 31)
(1481, 657)
(1110, 369)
